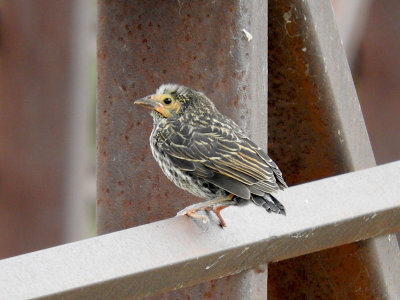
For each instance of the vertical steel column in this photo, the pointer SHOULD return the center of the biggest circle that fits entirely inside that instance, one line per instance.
(317, 130)
(80, 108)
(36, 86)
(218, 47)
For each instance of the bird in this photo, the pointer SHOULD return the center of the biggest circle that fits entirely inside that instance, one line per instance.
(208, 155)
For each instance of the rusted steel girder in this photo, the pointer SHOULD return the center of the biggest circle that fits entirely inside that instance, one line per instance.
(316, 129)
(218, 47)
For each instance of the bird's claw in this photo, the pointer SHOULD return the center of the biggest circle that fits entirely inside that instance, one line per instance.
(191, 208)
(190, 212)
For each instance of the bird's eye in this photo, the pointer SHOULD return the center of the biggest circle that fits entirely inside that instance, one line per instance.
(167, 101)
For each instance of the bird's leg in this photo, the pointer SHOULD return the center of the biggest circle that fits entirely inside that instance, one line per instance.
(217, 211)
(210, 205)
(202, 205)
(190, 211)
(193, 215)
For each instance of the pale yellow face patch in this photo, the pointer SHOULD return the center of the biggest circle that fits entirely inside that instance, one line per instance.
(167, 104)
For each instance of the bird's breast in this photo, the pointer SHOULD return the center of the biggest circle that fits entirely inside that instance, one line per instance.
(194, 185)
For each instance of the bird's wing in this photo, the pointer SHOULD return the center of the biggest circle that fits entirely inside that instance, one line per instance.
(222, 156)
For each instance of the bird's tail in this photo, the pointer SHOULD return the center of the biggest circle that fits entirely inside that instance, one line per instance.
(270, 203)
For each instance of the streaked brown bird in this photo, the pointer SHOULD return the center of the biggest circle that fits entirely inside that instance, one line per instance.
(208, 155)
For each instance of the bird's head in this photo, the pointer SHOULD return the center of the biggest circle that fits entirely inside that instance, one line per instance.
(173, 99)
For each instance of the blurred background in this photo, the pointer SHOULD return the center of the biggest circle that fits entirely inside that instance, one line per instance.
(47, 110)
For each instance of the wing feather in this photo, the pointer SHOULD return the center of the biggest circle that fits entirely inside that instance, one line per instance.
(222, 155)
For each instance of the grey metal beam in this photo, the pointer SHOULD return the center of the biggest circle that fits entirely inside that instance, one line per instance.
(179, 252)
(78, 220)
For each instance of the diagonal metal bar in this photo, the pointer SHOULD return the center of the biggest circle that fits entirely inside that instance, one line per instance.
(178, 252)
(316, 129)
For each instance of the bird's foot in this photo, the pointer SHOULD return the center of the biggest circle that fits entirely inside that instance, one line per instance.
(217, 211)
(214, 205)
(190, 211)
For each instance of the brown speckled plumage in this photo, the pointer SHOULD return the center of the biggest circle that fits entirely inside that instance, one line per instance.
(207, 154)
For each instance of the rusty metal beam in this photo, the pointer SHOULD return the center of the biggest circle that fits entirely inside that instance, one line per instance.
(140, 46)
(218, 47)
(317, 130)
(179, 252)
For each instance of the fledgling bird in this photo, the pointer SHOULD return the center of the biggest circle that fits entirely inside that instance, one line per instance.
(208, 155)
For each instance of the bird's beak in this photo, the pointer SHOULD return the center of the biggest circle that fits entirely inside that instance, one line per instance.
(148, 102)
(151, 102)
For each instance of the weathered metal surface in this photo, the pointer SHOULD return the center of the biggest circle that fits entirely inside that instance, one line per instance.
(316, 130)
(179, 252)
(144, 44)
(218, 47)
(36, 87)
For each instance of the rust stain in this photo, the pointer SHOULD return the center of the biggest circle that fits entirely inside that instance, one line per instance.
(303, 141)
(142, 44)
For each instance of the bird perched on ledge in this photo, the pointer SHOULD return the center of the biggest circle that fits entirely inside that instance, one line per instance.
(208, 155)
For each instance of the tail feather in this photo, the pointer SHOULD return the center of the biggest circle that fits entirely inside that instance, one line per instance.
(270, 203)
